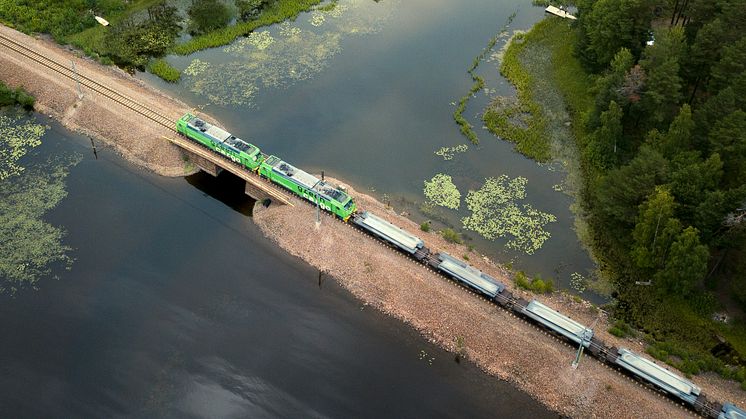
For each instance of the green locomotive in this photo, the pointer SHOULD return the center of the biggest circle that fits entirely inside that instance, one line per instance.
(326, 196)
(219, 140)
(308, 186)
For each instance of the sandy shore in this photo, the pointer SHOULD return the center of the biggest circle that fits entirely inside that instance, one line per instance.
(136, 138)
(499, 343)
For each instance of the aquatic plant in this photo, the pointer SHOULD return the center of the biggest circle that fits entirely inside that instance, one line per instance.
(262, 60)
(440, 190)
(317, 19)
(577, 282)
(164, 70)
(478, 83)
(449, 152)
(277, 12)
(196, 67)
(495, 213)
(30, 244)
(17, 138)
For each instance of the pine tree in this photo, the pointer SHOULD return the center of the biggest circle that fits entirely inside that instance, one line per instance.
(686, 264)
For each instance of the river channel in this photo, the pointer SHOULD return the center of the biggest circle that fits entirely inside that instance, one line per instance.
(175, 306)
(366, 93)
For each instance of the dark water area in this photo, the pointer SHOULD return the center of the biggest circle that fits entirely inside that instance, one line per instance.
(379, 107)
(176, 306)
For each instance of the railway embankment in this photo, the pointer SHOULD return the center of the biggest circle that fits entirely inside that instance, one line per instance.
(138, 139)
(462, 322)
(448, 315)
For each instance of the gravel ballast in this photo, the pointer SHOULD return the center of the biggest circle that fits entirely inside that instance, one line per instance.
(498, 342)
(138, 139)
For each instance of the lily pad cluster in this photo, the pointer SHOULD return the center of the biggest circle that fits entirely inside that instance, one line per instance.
(295, 53)
(16, 139)
(449, 152)
(440, 190)
(496, 213)
(30, 244)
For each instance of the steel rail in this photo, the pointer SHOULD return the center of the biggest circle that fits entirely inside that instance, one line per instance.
(88, 82)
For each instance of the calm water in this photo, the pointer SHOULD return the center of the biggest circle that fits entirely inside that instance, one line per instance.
(368, 96)
(177, 307)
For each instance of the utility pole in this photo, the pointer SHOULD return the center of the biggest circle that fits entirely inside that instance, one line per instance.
(77, 80)
(584, 340)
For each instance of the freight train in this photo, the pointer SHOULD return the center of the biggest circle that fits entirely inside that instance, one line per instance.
(339, 203)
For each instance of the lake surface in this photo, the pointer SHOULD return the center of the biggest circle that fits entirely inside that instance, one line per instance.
(176, 306)
(367, 93)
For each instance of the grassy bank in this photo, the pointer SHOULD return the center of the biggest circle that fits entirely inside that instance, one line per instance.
(19, 96)
(140, 31)
(277, 12)
(544, 69)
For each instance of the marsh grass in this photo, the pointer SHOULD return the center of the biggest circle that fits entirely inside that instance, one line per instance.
(164, 70)
(277, 12)
(478, 84)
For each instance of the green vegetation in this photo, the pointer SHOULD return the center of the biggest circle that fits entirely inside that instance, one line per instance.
(536, 284)
(16, 140)
(164, 70)
(275, 12)
(425, 226)
(141, 30)
(523, 122)
(18, 96)
(621, 329)
(441, 191)
(478, 84)
(209, 15)
(452, 236)
(660, 132)
(30, 244)
(496, 212)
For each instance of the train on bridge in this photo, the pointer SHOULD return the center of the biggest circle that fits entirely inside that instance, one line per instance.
(336, 201)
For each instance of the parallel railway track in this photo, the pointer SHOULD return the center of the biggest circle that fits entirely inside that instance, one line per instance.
(88, 82)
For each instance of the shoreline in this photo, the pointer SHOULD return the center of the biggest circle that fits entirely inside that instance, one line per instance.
(464, 323)
(128, 133)
(439, 310)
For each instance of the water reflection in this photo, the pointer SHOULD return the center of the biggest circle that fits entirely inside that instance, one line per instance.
(226, 188)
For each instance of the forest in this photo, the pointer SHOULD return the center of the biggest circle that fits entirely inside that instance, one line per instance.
(663, 155)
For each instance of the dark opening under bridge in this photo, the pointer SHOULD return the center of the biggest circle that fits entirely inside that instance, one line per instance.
(203, 158)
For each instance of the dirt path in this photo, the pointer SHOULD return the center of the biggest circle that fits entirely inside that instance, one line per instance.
(137, 138)
(499, 343)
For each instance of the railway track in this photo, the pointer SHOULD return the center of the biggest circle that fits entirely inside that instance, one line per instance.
(87, 82)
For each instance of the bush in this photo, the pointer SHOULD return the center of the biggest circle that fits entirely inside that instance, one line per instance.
(18, 96)
(521, 281)
(425, 226)
(466, 257)
(537, 285)
(208, 15)
(164, 70)
(277, 12)
(451, 236)
(621, 329)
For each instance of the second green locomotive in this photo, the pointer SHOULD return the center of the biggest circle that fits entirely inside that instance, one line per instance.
(326, 196)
